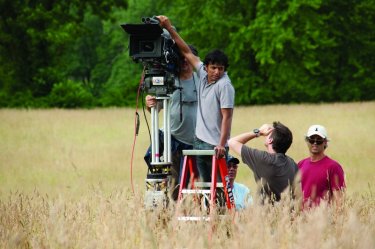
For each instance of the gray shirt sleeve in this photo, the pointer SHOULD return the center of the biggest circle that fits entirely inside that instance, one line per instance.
(227, 95)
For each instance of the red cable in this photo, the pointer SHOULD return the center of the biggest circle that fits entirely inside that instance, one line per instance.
(135, 128)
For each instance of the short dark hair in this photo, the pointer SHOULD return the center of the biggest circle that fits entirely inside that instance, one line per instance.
(216, 56)
(282, 138)
(182, 58)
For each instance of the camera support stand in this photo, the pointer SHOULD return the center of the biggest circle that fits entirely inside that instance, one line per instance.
(158, 180)
(155, 156)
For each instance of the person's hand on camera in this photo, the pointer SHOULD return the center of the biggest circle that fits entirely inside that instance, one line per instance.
(219, 151)
(164, 22)
(265, 129)
(150, 101)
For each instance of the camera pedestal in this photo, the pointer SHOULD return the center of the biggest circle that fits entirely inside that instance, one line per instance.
(155, 150)
(158, 180)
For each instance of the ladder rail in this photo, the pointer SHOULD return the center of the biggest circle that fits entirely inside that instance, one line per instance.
(193, 186)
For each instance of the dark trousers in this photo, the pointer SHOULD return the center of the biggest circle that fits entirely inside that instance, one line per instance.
(204, 163)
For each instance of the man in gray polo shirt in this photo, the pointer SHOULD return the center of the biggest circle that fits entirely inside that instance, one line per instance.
(215, 101)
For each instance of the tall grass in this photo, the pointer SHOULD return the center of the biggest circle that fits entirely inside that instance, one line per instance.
(118, 220)
(65, 183)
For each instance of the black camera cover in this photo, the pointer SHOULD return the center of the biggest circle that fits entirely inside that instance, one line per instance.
(146, 30)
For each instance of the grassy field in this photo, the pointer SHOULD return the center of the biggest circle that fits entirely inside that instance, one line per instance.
(65, 182)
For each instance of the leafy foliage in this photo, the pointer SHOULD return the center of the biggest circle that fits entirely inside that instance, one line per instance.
(36, 38)
(70, 94)
(289, 51)
(280, 51)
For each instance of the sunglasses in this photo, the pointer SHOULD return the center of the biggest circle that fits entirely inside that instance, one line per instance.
(314, 141)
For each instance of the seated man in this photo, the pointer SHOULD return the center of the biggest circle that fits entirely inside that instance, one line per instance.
(241, 193)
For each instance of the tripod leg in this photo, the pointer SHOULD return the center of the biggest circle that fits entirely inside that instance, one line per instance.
(155, 157)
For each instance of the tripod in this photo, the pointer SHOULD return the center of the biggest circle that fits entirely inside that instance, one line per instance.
(158, 178)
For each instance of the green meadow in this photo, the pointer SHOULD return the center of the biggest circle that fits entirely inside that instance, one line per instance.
(68, 151)
(66, 180)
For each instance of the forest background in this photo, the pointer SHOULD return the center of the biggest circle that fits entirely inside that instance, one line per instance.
(74, 54)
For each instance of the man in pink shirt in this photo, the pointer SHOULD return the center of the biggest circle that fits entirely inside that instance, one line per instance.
(322, 178)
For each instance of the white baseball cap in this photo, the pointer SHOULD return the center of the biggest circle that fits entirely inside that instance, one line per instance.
(317, 130)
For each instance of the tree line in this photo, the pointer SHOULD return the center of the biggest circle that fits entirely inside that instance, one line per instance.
(73, 54)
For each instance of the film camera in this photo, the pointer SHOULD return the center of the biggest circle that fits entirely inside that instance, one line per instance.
(153, 46)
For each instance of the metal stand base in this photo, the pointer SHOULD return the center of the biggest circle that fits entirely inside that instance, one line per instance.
(158, 181)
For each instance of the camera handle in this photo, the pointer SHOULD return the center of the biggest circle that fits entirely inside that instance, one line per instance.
(155, 150)
(150, 20)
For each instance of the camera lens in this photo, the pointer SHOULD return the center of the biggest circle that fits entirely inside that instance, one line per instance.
(147, 46)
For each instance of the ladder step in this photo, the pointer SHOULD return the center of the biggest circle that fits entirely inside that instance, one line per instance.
(198, 152)
(193, 218)
(196, 191)
(207, 184)
(203, 190)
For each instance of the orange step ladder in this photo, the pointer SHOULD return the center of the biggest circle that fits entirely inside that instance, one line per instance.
(200, 188)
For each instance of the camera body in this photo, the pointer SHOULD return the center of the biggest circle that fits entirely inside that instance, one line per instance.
(153, 46)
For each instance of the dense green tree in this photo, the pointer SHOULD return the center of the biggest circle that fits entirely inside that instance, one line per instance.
(84, 55)
(280, 51)
(34, 36)
(287, 51)
(70, 94)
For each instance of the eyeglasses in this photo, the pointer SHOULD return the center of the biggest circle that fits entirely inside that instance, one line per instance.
(314, 141)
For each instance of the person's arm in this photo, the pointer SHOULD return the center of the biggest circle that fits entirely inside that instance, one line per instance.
(226, 124)
(235, 143)
(248, 198)
(338, 198)
(337, 182)
(184, 48)
(297, 194)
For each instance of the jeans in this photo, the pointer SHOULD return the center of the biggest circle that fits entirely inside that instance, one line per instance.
(204, 163)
